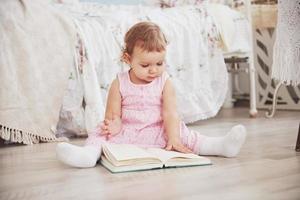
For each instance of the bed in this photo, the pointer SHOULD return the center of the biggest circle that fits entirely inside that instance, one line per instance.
(195, 62)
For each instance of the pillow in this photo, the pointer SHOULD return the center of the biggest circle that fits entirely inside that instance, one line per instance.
(116, 2)
(173, 3)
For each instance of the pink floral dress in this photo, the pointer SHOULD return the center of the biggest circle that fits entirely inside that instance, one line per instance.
(142, 122)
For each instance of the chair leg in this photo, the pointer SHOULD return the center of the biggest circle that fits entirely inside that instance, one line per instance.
(253, 111)
(298, 140)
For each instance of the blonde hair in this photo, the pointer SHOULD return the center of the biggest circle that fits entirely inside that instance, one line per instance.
(147, 35)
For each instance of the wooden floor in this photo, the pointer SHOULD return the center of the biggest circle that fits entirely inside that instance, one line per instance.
(267, 168)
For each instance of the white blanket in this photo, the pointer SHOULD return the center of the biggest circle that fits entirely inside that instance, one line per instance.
(36, 55)
(195, 63)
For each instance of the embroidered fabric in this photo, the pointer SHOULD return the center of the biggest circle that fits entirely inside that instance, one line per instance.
(286, 53)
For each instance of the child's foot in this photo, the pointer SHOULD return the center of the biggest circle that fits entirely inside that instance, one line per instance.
(234, 140)
(77, 156)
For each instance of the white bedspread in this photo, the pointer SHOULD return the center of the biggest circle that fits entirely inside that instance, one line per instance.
(195, 63)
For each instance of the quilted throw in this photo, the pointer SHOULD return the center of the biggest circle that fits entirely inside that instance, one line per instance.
(195, 63)
(36, 55)
(286, 53)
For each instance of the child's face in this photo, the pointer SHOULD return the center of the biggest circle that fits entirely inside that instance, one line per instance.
(146, 66)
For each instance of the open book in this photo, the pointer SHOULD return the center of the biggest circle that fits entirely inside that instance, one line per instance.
(127, 157)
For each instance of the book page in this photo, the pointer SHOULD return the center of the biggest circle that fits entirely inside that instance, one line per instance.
(165, 155)
(127, 168)
(174, 158)
(126, 154)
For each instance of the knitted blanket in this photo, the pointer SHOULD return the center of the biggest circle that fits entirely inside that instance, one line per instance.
(286, 54)
(36, 55)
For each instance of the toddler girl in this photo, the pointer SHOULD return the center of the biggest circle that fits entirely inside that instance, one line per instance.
(141, 108)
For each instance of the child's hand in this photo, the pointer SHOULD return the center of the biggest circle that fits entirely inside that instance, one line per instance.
(176, 145)
(111, 127)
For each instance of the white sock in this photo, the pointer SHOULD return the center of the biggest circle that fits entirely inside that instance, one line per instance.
(76, 156)
(227, 146)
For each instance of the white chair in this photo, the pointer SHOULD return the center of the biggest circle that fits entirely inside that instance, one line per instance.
(234, 59)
